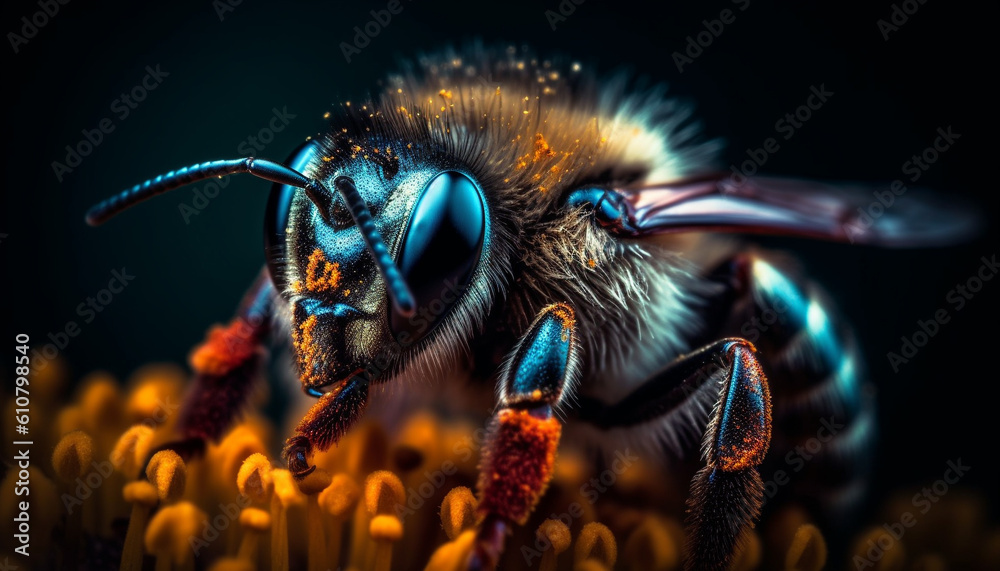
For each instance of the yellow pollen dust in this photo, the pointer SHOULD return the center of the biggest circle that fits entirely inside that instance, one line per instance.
(321, 274)
(542, 148)
(306, 349)
(564, 314)
(445, 94)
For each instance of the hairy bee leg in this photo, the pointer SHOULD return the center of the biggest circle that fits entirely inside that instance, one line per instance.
(519, 455)
(225, 366)
(727, 494)
(821, 389)
(325, 423)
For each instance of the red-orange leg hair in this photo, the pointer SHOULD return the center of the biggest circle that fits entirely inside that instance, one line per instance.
(225, 366)
(227, 363)
(325, 423)
(519, 455)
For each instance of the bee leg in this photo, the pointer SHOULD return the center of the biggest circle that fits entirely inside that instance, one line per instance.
(225, 366)
(726, 494)
(325, 423)
(519, 455)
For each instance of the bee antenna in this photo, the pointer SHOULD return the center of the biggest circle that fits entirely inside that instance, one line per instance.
(399, 292)
(263, 168)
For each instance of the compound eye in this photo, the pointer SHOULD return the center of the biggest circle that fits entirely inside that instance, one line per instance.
(279, 206)
(442, 245)
(607, 206)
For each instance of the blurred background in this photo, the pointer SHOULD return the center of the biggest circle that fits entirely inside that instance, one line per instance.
(227, 67)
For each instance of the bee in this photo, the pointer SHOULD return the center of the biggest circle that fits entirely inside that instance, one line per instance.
(514, 222)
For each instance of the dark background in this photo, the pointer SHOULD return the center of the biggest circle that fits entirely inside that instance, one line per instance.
(226, 76)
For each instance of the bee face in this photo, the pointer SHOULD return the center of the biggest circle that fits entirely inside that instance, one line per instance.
(490, 146)
(433, 217)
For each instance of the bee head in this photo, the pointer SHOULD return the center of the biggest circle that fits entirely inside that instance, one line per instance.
(349, 316)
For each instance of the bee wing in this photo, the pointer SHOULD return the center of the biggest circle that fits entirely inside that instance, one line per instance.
(840, 212)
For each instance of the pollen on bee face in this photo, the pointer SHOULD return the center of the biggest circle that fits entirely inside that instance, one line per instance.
(322, 275)
(306, 349)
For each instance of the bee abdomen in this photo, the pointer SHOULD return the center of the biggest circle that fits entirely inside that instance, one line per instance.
(822, 403)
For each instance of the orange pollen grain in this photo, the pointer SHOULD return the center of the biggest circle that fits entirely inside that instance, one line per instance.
(565, 315)
(542, 148)
(305, 347)
(321, 274)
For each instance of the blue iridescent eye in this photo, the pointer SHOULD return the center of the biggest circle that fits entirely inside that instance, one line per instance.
(442, 245)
